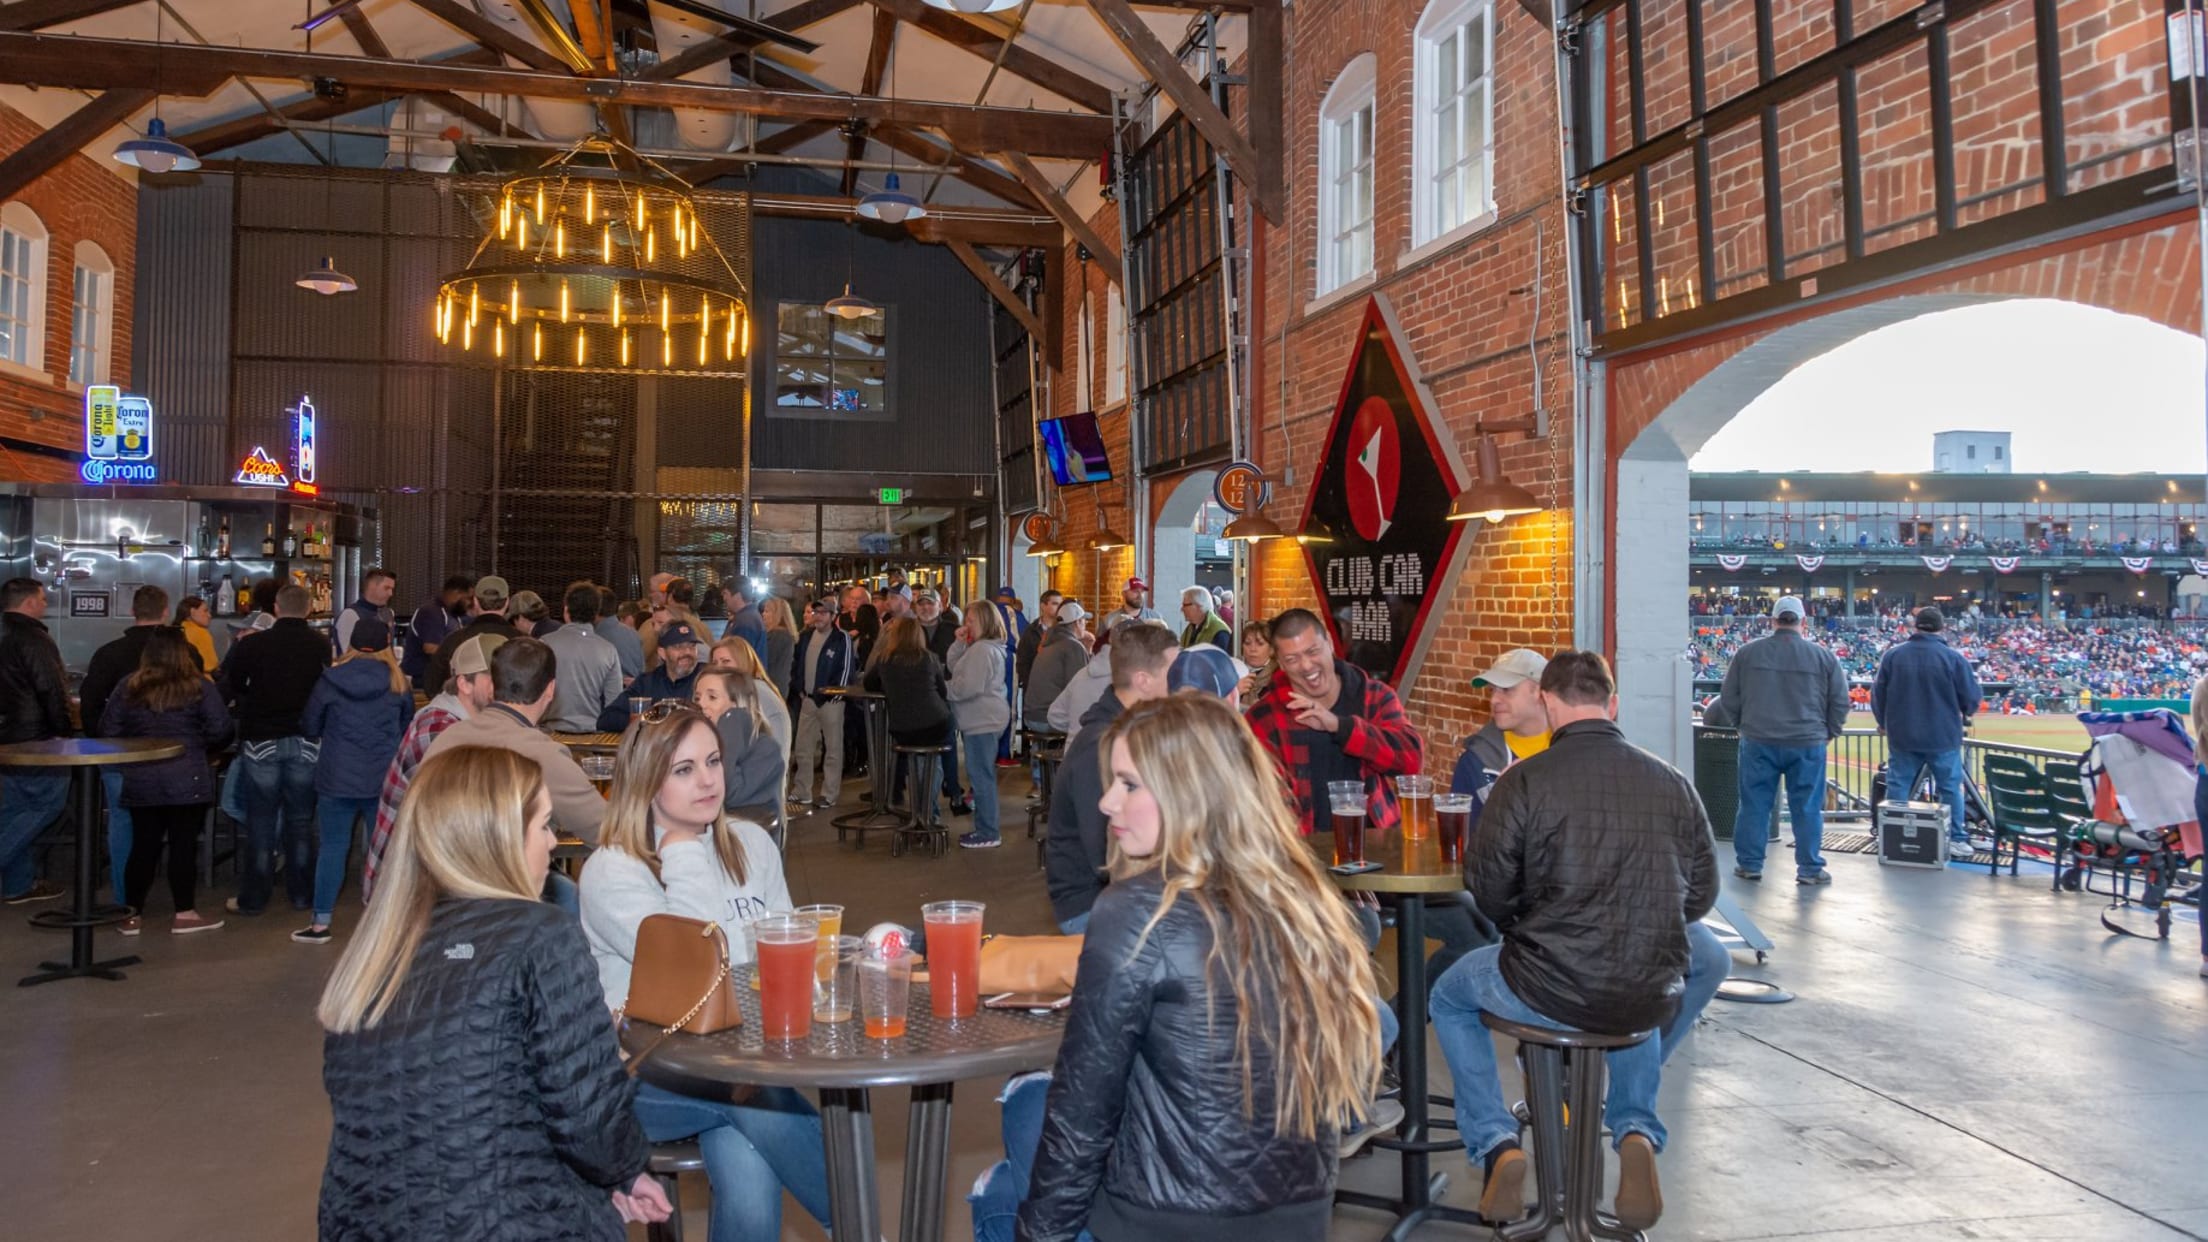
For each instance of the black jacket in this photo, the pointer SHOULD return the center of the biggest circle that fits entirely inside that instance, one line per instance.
(1145, 1134)
(913, 694)
(111, 666)
(270, 675)
(203, 726)
(1075, 848)
(440, 665)
(34, 687)
(489, 1104)
(1592, 857)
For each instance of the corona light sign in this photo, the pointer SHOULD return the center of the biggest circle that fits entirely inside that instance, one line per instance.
(261, 470)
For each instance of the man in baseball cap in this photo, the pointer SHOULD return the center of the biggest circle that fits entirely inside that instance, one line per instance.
(1131, 607)
(486, 615)
(1516, 728)
(1789, 698)
(673, 678)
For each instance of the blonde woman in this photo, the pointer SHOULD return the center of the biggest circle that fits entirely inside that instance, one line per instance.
(669, 847)
(358, 712)
(2200, 789)
(751, 764)
(781, 641)
(475, 1089)
(1225, 1005)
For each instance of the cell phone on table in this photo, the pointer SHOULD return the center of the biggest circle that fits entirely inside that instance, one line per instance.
(1026, 1000)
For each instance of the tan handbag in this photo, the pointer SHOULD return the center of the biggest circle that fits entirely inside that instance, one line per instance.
(1032, 964)
(681, 980)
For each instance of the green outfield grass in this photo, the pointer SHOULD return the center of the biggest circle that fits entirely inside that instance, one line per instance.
(1855, 759)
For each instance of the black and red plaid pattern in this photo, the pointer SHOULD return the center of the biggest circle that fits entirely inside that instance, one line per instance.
(1374, 732)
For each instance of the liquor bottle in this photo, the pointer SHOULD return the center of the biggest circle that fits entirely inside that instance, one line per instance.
(268, 540)
(226, 599)
(291, 543)
(222, 541)
(205, 546)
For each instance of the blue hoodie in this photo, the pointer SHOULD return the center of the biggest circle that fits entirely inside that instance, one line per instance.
(359, 721)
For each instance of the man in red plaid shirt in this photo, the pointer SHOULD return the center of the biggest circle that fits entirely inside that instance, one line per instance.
(1325, 719)
(466, 693)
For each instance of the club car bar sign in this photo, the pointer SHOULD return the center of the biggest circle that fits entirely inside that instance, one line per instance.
(261, 469)
(1383, 490)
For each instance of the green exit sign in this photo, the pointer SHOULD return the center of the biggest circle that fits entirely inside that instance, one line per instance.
(890, 495)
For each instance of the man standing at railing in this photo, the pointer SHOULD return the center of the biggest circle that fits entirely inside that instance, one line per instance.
(1924, 695)
(1790, 700)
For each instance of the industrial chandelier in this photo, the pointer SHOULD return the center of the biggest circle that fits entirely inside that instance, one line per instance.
(597, 261)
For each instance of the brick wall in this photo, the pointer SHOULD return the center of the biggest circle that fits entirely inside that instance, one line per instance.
(76, 201)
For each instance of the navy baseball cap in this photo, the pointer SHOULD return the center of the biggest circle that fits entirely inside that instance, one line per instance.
(676, 634)
(1005, 592)
(1204, 668)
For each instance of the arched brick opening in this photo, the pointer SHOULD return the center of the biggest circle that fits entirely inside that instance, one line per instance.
(1666, 403)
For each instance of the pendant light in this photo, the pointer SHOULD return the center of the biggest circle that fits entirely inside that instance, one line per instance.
(849, 305)
(156, 152)
(975, 6)
(325, 279)
(1492, 495)
(890, 204)
(1253, 527)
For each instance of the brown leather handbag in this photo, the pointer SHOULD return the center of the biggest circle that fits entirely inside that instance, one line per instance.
(681, 980)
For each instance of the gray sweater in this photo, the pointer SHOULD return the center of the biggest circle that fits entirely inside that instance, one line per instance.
(1784, 690)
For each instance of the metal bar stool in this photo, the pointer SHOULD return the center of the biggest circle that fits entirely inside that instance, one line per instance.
(669, 1160)
(1567, 1159)
(920, 796)
(1049, 747)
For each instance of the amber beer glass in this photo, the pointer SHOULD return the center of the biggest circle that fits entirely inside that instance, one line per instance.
(1347, 800)
(1415, 794)
(1453, 811)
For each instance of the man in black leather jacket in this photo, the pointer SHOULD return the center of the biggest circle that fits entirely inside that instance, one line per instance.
(34, 706)
(1593, 858)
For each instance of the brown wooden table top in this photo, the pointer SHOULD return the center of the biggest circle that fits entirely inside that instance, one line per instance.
(85, 752)
(1406, 866)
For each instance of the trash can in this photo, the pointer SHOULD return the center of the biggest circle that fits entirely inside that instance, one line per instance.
(1717, 776)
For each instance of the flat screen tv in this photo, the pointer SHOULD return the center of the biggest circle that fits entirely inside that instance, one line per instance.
(1075, 449)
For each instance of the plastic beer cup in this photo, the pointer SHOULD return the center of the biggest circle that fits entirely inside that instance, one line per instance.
(1347, 799)
(954, 957)
(1453, 811)
(1416, 796)
(787, 945)
(885, 993)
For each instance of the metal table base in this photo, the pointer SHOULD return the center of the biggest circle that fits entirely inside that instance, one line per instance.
(83, 913)
(882, 814)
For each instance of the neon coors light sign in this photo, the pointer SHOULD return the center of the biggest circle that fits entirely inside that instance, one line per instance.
(261, 469)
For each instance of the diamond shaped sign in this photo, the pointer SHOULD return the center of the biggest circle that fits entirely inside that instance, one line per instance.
(1377, 536)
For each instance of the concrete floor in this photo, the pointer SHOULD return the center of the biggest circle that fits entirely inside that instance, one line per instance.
(1967, 1059)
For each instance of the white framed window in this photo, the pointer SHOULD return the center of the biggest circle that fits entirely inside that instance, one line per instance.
(91, 317)
(22, 287)
(1115, 349)
(1453, 133)
(1345, 176)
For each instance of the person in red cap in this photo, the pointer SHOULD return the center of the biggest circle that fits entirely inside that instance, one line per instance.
(1131, 607)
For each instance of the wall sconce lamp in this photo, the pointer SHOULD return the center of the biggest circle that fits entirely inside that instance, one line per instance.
(1492, 495)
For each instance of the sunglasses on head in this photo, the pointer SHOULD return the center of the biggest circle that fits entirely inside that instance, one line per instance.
(667, 709)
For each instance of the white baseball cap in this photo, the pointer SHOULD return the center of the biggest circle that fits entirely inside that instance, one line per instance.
(1070, 612)
(1517, 666)
(1789, 605)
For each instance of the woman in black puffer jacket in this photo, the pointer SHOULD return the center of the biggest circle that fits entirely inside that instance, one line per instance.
(905, 673)
(1223, 1027)
(170, 699)
(475, 1085)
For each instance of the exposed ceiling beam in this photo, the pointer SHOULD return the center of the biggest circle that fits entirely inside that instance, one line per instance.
(97, 64)
(1264, 60)
(979, 174)
(1103, 256)
(556, 35)
(364, 33)
(593, 32)
(1156, 60)
(1018, 61)
(478, 115)
(997, 288)
(722, 47)
(488, 33)
(222, 135)
(870, 83)
(41, 154)
(36, 14)
(783, 140)
(976, 226)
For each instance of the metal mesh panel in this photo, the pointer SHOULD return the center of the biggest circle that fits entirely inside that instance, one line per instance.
(1180, 347)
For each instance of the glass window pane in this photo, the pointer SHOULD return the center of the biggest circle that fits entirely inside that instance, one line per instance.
(801, 329)
(1475, 48)
(1445, 65)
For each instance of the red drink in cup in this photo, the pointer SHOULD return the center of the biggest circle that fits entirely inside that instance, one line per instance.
(1347, 798)
(787, 946)
(1454, 812)
(954, 957)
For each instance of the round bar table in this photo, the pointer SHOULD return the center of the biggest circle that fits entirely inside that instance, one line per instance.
(84, 757)
(1410, 872)
(843, 1064)
(881, 761)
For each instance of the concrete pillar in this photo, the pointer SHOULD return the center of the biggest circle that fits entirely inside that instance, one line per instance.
(1652, 626)
(1849, 607)
(2046, 595)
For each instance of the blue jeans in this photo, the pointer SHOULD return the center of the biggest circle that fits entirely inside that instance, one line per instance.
(1475, 986)
(29, 800)
(753, 1151)
(1708, 962)
(564, 893)
(1903, 767)
(337, 816)
(118, 827)
(278, 780)
(1761, 769)
(1077, 925)
(981, 773)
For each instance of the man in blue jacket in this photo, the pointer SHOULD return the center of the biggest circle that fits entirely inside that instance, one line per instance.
(1924, 694)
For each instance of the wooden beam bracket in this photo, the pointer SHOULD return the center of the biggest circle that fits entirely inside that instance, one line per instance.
(1105, 257)
(34, 159)
(1002, 292)
(1191, 98)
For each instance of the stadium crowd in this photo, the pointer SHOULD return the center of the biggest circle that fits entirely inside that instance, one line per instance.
(2041, 660)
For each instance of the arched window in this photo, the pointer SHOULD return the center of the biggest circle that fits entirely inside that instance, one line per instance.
(22, 287)
(92, 317)
(1345, 176)
(1453, 132)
